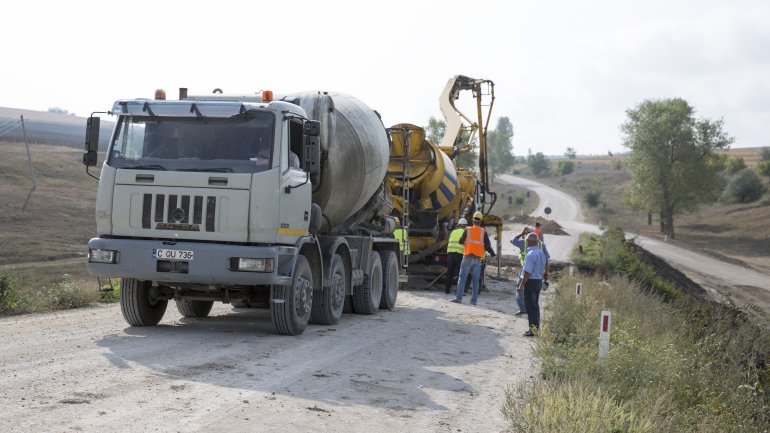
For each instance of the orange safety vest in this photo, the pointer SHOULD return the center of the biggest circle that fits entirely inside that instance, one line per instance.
(474, 241)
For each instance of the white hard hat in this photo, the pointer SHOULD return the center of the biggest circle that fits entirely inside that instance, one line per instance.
(462, 222)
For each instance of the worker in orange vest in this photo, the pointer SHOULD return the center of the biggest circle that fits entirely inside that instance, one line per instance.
(475, 242)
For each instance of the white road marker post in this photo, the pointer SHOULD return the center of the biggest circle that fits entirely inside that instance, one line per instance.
(604, 334)
(579, 290)
(571, 270)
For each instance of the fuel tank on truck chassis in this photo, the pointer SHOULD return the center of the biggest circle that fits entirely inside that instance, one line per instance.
(354, 160)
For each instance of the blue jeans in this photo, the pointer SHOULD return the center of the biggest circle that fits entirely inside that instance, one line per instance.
(470, 264)
(532, 301)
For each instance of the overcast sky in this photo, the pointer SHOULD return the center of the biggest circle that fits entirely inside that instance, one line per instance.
(565, 71)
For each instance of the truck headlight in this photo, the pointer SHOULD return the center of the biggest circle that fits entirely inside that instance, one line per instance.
(102, 256)
(246, 264)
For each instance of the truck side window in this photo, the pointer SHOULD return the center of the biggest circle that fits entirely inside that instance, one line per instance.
(295, 143)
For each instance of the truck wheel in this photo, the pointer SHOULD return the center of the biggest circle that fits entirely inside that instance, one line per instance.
(194, 309)
(389, 280)
(367, 296)
(329, 302)
(290, 306)
(139, 307)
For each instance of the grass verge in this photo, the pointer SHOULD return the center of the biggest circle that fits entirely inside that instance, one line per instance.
(15, 298)
(675, 364)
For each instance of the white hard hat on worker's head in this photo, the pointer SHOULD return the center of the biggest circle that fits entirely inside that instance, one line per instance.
(462, 222)
(478, 216)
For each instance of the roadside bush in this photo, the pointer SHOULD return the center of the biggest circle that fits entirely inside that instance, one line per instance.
(592, 197)
(617, 164)
(673, 367)
(9, 294)
(611, 254)
(734, 164)
(564, 167)
(744, 187)
(112, 296)
(763, 168)
(518, 199)
(569, 407)
(67, 294)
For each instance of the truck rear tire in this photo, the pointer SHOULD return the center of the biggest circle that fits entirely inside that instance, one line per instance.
(290, 306)
(367, 296)
(139, 308)
(389, 280)
(329, 302)
(194, 309)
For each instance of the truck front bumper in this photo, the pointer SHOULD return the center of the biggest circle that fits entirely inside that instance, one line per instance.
(210, 264)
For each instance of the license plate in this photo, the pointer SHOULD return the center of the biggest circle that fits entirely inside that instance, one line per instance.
(166, 254)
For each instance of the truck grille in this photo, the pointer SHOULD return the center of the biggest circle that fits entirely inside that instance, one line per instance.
(177, 209)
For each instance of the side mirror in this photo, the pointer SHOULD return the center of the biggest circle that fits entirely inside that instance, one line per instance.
(92, 141)
(311, 148)
(313, 128)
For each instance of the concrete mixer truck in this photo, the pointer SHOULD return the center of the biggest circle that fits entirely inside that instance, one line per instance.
(274, 202)
(430, 191)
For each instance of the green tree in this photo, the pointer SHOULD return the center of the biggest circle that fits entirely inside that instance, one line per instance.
(669, 158)
(564, 167)
(500, 147)
(538, 165)
(435, 132)
(570, 153)
(765, 154)
(59, 110)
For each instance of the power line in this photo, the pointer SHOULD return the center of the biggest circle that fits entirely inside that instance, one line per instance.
(8, 127)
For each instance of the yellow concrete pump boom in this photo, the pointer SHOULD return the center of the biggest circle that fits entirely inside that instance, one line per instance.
(460, 125)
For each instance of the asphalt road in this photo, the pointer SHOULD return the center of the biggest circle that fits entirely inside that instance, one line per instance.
(720, 279)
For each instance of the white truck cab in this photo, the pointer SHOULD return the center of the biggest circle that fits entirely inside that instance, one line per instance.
(204, 200)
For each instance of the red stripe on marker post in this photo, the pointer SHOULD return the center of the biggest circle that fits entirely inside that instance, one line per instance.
(605, 323)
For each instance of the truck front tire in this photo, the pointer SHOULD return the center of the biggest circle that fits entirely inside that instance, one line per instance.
(139, 307)
(194, 309)
(290, 306)
(329, 302)
(367, 296)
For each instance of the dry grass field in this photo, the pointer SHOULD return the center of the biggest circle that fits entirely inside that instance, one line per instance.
(733, 232)
(44, 232)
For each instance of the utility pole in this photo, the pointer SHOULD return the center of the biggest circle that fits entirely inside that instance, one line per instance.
(29, 156)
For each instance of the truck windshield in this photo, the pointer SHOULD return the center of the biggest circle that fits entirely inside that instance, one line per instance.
(239, 144)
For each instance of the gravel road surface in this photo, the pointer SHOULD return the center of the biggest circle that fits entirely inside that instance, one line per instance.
(428, 366)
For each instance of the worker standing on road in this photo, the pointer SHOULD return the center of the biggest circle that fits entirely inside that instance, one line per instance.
(475, 241)
(539, 231)
(454, 250)
(532, 281)
(520, 242)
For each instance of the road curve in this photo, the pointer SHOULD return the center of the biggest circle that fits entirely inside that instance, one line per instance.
(744, 285)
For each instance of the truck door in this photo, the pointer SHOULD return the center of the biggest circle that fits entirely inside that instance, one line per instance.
(296, 189)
